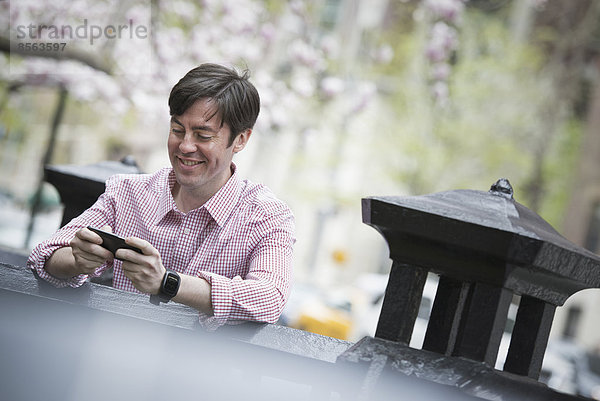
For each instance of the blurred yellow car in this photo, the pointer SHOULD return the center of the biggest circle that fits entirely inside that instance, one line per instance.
(322, 319)
(319, 312)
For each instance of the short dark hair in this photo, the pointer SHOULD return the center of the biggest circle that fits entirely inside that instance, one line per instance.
(237, 100)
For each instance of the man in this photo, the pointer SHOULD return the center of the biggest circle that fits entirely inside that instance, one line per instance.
(208, 239)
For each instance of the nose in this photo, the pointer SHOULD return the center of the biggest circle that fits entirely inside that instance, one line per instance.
(187, 144)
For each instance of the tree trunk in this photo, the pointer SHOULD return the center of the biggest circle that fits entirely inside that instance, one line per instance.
(586, 189)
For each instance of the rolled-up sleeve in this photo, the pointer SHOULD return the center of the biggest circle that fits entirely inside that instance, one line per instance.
(262, 294)
(99, 214)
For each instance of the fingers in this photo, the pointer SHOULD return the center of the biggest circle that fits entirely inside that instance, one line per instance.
(145, 276)
(128, 255)
(144, 270)
(144, 246)
(87, 251)
(87, 265)
(91, 248)
(88, 236)
(133, 256)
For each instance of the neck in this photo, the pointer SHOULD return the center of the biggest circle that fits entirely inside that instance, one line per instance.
(186, 200)
(190, 198)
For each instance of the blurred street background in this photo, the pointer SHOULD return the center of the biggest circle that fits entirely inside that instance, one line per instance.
(359, 98)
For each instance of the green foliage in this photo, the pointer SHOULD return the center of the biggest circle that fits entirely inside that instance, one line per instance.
(559, 169)
(494, 123)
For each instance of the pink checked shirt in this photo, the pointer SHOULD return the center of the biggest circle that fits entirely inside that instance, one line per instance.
(240, 241)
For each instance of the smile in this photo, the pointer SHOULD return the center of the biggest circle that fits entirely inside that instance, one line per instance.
(189, 162)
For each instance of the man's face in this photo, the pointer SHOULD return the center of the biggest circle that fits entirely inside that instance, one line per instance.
(198, 149)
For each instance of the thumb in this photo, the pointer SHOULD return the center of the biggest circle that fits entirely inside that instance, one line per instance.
(107, 228)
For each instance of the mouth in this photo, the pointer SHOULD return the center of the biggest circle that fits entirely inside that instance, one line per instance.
(189, 163)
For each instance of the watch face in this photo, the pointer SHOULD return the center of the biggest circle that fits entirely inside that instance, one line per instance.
(171, 284)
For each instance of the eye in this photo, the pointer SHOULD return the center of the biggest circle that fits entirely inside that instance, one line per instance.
(202, 136)
(177, 131)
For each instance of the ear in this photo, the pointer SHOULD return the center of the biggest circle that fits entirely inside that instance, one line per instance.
(241, 140)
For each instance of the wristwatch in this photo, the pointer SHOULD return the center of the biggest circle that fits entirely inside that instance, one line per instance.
(168, 288)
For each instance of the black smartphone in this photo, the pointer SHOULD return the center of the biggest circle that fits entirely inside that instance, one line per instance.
(113, 242)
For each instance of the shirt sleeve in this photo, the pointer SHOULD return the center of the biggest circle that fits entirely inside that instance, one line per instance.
(101, 213)
(260, 295)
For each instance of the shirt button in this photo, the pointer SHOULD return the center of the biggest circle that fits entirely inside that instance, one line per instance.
(186, 231)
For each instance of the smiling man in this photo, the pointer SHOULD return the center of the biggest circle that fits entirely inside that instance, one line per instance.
(207, 238)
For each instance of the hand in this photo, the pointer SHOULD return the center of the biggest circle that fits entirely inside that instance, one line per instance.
(87, 251)
(145, 270)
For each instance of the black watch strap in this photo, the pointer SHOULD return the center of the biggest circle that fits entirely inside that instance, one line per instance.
(168, 287)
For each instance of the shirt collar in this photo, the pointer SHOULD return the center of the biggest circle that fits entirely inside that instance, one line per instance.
(166, 203)
(219, 206)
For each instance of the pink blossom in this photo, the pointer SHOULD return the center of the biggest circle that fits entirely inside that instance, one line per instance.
(268, 32)
(330, 47)
(440, 91)
(383, 54)
(297, 7)
(442, 42)
(441, 71)
(366, 92)
(332, 86)
(305, 54)
(448, 10)
(303, 84)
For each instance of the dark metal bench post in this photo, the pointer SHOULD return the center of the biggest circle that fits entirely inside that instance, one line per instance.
(80, 186)
(529, 337)
(482, 323)
(486, 248)
(401, 303)
(444, 321)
